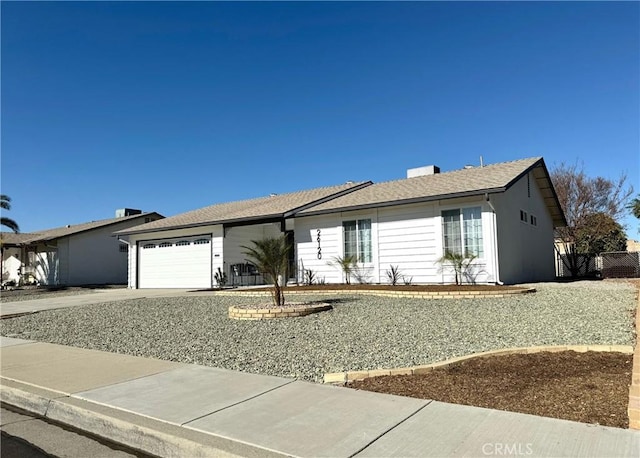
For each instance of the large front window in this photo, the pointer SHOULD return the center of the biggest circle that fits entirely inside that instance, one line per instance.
(357, 239)
(462, 231)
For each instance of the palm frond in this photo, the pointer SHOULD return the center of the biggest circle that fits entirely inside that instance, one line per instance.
(11, 224)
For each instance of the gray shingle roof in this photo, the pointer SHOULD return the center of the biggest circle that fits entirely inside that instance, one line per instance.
(457, 183)
(49, 234)
(11, 238)
(276, 206)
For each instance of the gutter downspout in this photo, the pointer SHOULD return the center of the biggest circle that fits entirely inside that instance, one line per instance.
(495, 240)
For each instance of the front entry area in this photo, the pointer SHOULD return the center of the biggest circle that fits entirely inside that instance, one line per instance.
(181, 262)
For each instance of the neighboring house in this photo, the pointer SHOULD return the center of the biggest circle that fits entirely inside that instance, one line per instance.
(504, 214)
(79, 254)
(11, 252)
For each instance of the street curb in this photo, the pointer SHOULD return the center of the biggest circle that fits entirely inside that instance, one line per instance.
(146, 434)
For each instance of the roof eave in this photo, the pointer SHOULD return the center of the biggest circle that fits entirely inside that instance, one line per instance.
(263, 218)
(558, 217)
(393, 203)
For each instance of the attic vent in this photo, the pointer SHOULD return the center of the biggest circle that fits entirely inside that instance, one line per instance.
(421, 171)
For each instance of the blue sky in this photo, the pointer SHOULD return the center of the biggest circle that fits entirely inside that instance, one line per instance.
(170, 107)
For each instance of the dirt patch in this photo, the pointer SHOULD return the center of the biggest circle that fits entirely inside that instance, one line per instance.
(590, 387)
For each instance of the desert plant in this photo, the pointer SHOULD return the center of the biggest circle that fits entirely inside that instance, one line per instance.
(271, 257)
(322, 281)
(393, 274)
(309, 277)
(407, 280)
(221, 278)
(362, 274)
(347, 264)
(459, 262)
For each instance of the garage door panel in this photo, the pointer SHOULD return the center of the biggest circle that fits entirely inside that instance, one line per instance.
(175, 263)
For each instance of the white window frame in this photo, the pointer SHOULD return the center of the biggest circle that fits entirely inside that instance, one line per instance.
(357, 220)
(460, 209)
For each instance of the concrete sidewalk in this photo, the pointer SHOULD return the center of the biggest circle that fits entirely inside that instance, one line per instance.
(173, 409)
(94, 297)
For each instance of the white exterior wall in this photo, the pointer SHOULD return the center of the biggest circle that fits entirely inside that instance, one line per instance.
(525, 251)
(11, 264)
(215, 231)
(407, 236)
(237, 237)
(307, 244)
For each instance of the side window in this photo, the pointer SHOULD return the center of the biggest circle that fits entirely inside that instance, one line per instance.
(357, 239)
(462, 231)
(524, 217)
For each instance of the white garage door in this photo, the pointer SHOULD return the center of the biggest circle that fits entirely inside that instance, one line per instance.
(175, 263)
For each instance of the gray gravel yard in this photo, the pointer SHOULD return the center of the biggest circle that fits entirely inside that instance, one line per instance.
(361, 332)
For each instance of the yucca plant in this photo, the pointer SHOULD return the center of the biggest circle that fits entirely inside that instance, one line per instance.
(393, 274)
(271, 257)
(221, 278)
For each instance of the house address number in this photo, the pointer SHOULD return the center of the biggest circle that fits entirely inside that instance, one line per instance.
(319, 248)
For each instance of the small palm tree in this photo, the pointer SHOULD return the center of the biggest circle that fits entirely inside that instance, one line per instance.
(5, 204)
(271, 257)
(459, 262)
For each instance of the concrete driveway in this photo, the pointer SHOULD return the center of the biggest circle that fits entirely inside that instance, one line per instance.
(97, 297)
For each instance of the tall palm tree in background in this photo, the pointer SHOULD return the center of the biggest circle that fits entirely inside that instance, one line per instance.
(5, 204)
(634, 206)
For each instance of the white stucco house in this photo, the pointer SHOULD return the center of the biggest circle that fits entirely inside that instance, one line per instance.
(503, 214)
(78, 254)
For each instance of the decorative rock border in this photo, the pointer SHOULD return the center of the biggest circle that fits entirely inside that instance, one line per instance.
(346, 377)
(634, 389)
(238, 313)
(386, 293)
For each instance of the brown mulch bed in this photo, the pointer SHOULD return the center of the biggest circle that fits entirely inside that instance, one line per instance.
(590, 387)
(417, 288)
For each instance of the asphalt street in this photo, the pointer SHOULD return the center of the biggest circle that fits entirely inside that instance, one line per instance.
(28, 436)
